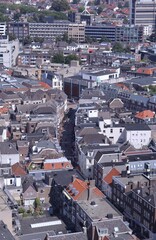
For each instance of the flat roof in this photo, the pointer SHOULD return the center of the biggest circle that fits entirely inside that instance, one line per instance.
(42, 224)
(99, 208)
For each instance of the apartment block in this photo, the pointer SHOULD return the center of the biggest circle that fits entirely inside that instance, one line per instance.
(135, 197)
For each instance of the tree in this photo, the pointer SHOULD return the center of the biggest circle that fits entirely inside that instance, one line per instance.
(104, 39)
(81, 9)
(27, 40)
(76, 1)
(12, 37)
(97, 2)
(71, 57)
(38, 39)
(58, 58)
(37, 204)
(99, 10)
(17, 15)
(65, 37)
(126, 4)
(152, 37)
(88, 39)
(60, 5)
(118, 47)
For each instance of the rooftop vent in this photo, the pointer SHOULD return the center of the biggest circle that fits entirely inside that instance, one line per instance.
(109, 215)
(92, 203)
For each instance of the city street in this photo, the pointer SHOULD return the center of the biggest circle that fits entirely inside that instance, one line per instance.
(67, 138)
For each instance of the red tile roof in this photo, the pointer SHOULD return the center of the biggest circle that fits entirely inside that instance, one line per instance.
(45, 85)
(82, 186)
(58, 165)
(3, 110)
(18, 170)
(109, 177)
(145, 114)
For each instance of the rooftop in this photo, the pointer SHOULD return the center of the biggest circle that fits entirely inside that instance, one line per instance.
(42, 224)
(71, 236)
(64, 177)
(109, 177)
(99, 209)
(5, 233)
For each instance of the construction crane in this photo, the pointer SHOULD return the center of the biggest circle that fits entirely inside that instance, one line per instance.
(85, 2)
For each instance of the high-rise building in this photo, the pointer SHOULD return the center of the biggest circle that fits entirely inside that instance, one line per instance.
(143, 12)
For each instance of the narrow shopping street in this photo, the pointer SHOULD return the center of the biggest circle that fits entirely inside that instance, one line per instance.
(67, 137)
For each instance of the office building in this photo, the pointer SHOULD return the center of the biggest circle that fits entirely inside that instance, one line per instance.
(48, 30)
(18, 29)
(113, 33)
(76, 32)
(142, 12)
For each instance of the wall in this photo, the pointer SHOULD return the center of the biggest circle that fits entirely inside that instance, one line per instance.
(9, 158)
(138, 138)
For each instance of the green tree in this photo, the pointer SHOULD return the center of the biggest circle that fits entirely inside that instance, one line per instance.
(126, 4)
(27, 40)
(58, 58)
(12, 37)
(38, 39)
(17, 15)
(118, 47)
(71, 57)
(152, 37)
(97, 2)
(65, 37)
(100, 10)
(81, 9)
(21, 210)
(60, 5)
(76, 1)
(37, 204)
(104, 39)
(88, 39)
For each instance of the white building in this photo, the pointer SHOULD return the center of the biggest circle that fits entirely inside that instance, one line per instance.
(106, 75)
(8, 153)
(53, 80)
(9, 51)
(138, 135)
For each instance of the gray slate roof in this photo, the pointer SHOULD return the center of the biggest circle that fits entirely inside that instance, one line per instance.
(71, 236)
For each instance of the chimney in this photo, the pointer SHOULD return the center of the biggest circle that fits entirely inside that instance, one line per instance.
(84, 229)
(88, 189)
(73, 177)
(47, 236)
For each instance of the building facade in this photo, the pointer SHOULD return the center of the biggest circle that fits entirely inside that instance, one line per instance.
(113, 33)
(18, 29)
(8, 51)
(76, 32)
(48, 30)
(142, 12)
